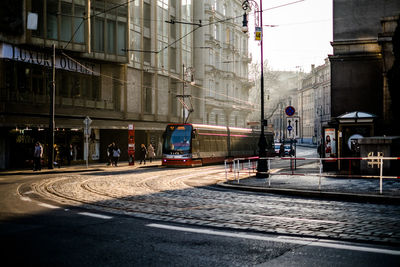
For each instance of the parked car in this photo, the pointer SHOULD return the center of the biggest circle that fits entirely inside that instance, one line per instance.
(286, 147)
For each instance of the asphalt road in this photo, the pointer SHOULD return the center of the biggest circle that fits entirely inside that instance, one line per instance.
(175, 217)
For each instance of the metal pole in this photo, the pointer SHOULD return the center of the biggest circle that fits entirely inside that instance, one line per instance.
(320, 174)
(381, 176)
(52, 109)
(87, 151)
(183, 92)
(226, 174)
(262, 170)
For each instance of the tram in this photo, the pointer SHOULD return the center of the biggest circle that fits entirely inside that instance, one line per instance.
(189, 145)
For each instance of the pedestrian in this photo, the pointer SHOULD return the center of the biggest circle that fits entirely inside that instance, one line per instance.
(70, 154)
(115, 154)
(150, 152)
(57, 156)
(282, 150)
(37, 157)
(142, 154)
(110, 149)
(320, 150)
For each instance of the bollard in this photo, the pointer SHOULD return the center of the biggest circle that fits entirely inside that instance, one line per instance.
(381, 176)
(249, 168)
(320, 174)
(226, 174)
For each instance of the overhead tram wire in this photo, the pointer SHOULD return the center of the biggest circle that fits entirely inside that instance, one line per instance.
(156, 52)
(86, 18)
(156, 89)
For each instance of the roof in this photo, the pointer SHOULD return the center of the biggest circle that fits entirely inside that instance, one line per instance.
(356, 116)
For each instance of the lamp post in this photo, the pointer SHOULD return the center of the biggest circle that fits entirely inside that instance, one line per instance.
(262, 167)
(52, 111)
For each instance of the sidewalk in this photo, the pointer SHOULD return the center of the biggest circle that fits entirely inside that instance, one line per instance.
(311, 185)
(80, 168)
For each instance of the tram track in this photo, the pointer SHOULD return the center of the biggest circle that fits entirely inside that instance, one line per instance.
(184, 196)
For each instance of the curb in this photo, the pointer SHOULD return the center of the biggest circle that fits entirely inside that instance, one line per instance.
(379, 199)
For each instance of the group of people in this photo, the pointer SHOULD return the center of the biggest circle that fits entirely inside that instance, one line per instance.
(146, 153)
(113, 154)
(59, 153)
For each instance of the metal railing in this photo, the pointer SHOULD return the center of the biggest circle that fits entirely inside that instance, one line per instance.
(240, 167)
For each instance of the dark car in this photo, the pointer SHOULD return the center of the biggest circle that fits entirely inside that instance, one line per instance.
(287, 149)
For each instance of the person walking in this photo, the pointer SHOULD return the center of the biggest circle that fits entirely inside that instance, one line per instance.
(57, 156)
(116, 154)
(110, 150)
(150, 152)
(282, 150)
(37, 157)
(70, 154)
(143, 153)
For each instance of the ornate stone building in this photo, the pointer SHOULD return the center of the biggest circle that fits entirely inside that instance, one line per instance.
(119, 63)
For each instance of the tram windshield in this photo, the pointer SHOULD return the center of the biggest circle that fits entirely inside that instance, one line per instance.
(177, 138)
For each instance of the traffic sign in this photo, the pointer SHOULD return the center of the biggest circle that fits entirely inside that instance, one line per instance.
(293, 127)
(289, 110)
(87, 121)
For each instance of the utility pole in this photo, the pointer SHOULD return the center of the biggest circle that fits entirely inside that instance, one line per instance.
(52, 111)
(262, 166)
(188, 72)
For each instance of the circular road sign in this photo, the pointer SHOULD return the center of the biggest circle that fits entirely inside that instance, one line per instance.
(289, 128)
(289, 110)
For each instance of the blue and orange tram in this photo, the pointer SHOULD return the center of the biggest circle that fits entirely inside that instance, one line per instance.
(186, 145)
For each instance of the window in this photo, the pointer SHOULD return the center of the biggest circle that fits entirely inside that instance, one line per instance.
(79, 25)
(136, 13)
(98, 35)
(147, 15)
(52, 10)
(147, 46)
(37, 7)
(172, 29)
(147, 94)
(174, 101)
(172, 59)
(66, 22)
(111, 37)
(137, 38)
(121, 42)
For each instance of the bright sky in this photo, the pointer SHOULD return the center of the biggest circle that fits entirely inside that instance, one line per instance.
(302, 36)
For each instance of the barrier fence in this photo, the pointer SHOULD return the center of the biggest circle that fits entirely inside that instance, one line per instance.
(240, 167)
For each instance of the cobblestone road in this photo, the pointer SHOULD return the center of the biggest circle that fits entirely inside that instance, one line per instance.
(184, 196)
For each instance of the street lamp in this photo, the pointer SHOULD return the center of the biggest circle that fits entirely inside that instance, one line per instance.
(262, 167)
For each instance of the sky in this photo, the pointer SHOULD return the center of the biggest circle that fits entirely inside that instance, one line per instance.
(301, 37)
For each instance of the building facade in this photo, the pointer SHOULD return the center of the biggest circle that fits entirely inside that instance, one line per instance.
(363, 60)
(139, 62)
(90, 39)
(222, 60)
(314, 102)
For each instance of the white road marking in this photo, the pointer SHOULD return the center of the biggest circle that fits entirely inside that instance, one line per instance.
(290, 240)
(296, 219)
(48, 206)
(25, 198)
(95, 215)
